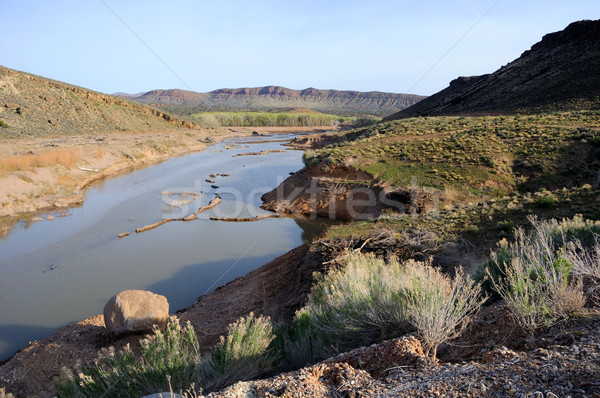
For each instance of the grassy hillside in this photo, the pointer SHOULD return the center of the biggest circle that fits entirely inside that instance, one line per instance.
(32, 106)
(481, 176)
(492, 155)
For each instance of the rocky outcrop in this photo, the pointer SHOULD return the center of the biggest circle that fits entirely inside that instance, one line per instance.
(274, 97)
(559, 72)
(132, 311)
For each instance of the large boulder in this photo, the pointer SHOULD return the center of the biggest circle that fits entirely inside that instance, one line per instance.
(135, 311)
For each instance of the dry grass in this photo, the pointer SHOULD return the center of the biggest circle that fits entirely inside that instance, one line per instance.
(537, 281)
(440, 307)
(586, 265)
(63, 157)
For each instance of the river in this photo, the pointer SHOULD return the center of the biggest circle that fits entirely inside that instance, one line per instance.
(55, 272)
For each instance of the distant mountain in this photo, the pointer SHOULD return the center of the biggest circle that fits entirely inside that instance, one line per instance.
(561, 72)
(272, 98)
(35, 106)
(126, 95)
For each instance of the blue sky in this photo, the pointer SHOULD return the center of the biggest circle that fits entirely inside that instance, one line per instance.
(396, 46)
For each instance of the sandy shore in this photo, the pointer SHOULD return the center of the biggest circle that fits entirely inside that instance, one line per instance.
(52, 172)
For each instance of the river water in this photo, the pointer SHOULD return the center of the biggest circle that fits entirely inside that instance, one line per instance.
(55, 272)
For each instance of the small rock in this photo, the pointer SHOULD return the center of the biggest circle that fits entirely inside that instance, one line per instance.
(135, 311)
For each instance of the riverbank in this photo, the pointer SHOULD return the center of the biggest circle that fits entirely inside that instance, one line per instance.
(52, 172)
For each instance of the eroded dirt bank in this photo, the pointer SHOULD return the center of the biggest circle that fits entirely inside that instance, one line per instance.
(342, 192)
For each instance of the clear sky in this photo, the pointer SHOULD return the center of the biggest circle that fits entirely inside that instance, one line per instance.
(412, 46)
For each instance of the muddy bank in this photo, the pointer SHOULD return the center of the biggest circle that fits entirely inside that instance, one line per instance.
(33, 369)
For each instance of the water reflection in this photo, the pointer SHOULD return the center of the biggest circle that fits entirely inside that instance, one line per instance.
(57, 272)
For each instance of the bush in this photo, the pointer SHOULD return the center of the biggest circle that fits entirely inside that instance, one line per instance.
(359, 304)
(168, 362)
(171, 361)
(532, 275)
(438, 306)
(299, 345)
(369, 300)
(244, 354)
(558, 235)
(3, 124)
(546, 201)
(586, 265)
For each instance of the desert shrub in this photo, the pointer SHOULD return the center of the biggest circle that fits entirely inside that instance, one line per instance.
(533, 277)
(369, 300)
(586, 265)
(546, 201)
(507, 226)
(3, 124)
(299, 345)
(557, 235)
(364, 122)
(242, 355)
(358, 304)
(438, 306)
(169, 361)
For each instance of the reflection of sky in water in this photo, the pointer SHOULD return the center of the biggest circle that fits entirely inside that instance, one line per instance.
(60, 271)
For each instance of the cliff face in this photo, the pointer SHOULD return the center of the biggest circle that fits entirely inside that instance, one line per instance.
(275, 97)
(562, 71)
(35, 106)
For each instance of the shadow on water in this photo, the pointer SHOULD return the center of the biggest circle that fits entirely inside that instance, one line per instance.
(19, 336)
(204, 278)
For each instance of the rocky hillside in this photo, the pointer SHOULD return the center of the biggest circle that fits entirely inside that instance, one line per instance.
(35, 106)
(280, 98)
(561, 72)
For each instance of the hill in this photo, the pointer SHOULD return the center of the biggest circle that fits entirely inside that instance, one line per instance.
(561, 72)
(272, 98)
(35, 106)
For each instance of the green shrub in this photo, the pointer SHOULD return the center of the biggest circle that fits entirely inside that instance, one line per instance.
(171, 361)
(358, 304)
(369, 300)
(299, 345)
(4, 124)
(546, 201)
(507, 226)
(532, 275)
(244, 354)
(310, 158)
(168, 362)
